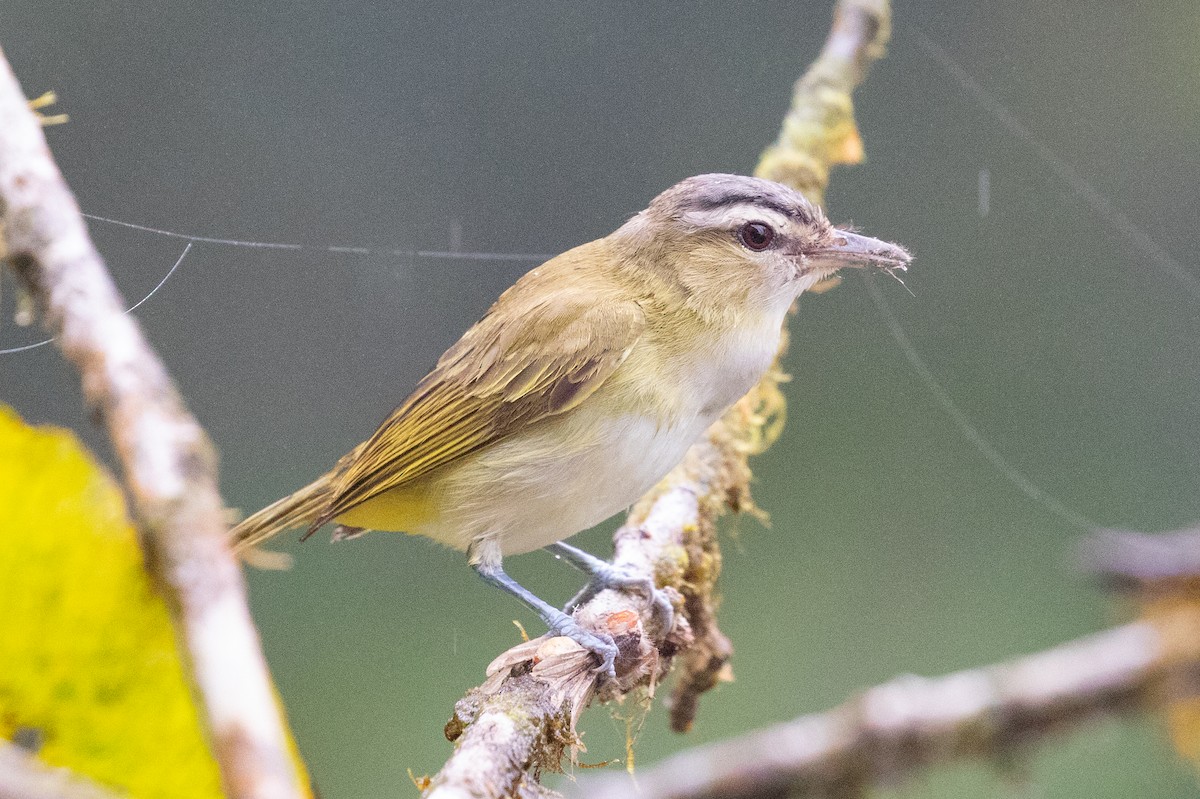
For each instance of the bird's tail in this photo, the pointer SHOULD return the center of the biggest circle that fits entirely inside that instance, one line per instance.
(295, 510)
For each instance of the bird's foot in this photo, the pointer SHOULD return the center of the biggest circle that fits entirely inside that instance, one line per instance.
(601, 645)
(604, 576)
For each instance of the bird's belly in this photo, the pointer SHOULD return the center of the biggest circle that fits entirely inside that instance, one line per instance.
(547, 484)
(570, 472)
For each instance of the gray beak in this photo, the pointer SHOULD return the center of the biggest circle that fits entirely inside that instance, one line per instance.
(851, 249)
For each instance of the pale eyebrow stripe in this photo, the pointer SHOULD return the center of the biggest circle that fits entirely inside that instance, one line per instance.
(727, 213)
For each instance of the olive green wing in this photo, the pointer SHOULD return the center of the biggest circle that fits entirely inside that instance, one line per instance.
(523, 362)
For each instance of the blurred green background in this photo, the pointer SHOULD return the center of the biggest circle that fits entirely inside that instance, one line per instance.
(896, 547)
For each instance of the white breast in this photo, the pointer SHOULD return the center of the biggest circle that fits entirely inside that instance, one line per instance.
(573, 472)
(723, 372)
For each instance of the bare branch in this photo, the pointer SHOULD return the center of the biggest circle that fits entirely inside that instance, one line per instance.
(911, 723)
(169, 465)
(23, 776)
(521, 720)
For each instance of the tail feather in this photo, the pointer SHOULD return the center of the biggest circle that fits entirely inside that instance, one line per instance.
(296, 510)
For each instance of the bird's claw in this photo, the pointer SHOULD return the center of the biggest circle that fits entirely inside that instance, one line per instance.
(619, 579)
(601, 645)
(608, 661)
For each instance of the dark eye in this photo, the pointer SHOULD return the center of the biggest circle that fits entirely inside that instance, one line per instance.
(756, 236)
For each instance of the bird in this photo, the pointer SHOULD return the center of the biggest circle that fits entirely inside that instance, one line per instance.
(584, 384)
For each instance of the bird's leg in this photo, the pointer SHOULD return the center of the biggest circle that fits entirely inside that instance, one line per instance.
(485, 560)
(603, 575)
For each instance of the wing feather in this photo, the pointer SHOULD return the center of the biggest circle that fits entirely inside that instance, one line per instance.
(523, 362)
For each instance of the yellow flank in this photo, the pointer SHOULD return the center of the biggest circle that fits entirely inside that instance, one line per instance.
(403, 509)
(91, 673)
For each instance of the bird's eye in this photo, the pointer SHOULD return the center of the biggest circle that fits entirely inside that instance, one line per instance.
(756, 236)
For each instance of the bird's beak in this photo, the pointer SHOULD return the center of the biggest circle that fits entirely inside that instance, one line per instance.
(850, 249)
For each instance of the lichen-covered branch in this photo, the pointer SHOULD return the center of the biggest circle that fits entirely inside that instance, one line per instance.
(894, 730)
(521, 720)
(168, 463)
(819, 131)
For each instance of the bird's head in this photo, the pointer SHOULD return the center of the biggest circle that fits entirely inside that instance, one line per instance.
(729, 241)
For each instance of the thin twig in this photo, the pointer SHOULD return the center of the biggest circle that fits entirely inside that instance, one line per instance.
(521, 721)
(169, 465)
(897, 729)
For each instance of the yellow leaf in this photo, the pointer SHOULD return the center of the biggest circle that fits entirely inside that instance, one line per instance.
(89, 668)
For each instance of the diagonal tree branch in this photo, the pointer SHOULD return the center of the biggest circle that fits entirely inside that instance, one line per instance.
(169, 465)
(521, 721)
(897, 729)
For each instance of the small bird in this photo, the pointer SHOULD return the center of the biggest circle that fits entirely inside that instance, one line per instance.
(584, 384)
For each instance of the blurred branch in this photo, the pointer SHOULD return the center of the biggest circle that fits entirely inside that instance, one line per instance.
(23, 776)
(169, 465)
(897, 729)
(521, 721)
(1131, 559)
(1160, 573)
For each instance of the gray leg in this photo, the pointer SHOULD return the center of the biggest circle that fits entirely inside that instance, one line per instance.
(603, 575)
(558, 622)
(589, 564)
